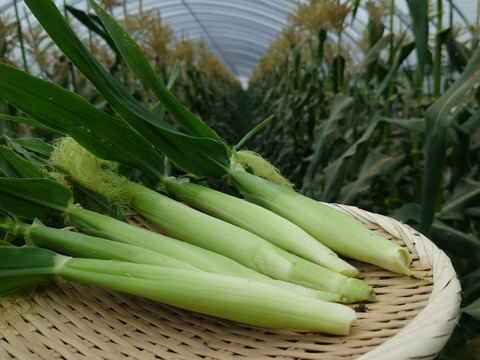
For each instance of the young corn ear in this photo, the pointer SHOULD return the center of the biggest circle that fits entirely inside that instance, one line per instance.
(195, 227)
(260, 221)
(227, 297)
(22, 198)
(330, 285)
(77, 244)
(338, 231)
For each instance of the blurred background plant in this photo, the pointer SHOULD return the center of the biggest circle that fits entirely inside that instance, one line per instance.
(380, 134)
(368, 129)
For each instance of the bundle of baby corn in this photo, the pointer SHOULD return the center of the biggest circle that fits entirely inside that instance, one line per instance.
(269, 259)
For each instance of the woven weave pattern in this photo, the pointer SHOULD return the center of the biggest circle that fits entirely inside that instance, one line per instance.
(411, 318)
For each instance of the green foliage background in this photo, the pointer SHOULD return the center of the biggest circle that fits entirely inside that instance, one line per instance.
(378, 135)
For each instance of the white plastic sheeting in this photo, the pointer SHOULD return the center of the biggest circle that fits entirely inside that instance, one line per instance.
(239, 31)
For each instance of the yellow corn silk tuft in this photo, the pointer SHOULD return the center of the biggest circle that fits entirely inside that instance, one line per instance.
(263, 168)
(97, 174)
(60, 178)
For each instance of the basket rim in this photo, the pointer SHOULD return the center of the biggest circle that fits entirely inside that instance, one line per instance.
(428, 332)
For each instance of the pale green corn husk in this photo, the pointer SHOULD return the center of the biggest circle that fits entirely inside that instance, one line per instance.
(338, 231)
(260, 221)
(77, 244)
(228, 297)
(201, 258)
(224, 296)
(208, 232)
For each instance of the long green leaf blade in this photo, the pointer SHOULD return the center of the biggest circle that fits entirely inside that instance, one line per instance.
(200, 156)
(34, 144)
(446, 237)
(473, 309)
(411, 124)
(136, 60)
(439, 117)
(334, 174)
(28, 121)
(340, 107)
(465, 195)
(72, 47)
(405, 51)
(34, 198)
(69, 114)
(372, 55)
(376, 164)
(159, 108)
(92, 23)
(14, 166)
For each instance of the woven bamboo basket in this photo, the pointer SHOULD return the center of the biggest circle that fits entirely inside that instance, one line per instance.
(411, 319)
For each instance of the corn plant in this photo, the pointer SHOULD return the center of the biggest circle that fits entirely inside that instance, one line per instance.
(388, 142)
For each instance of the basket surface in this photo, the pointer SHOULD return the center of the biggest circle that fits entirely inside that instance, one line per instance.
(411, 319)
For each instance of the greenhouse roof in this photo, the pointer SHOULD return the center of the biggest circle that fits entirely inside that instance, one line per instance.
(238, 32)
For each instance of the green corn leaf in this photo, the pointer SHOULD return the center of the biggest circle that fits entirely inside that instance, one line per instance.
(37, 160)
(72, 47)
(456, 242)
(356, 4)
(446, 237)
(334, 174)
(94, 24)
(439, 117)
(419, 15)
(405, 51)
(34, 198)
(14, 166)
(69, 114)
(28, 121)
(459, 54)
(412, 124)
(34, 144)
(159, 109)
(376, 164)
(372, 55)
(465, 195)
(99, 201)
(136, 60)
(472, 309)
(473, 212)
(473, 123)
(252, 132)
(339, 110)
(198, 155)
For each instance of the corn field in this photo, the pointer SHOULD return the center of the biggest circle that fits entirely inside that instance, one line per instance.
(374, 133)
